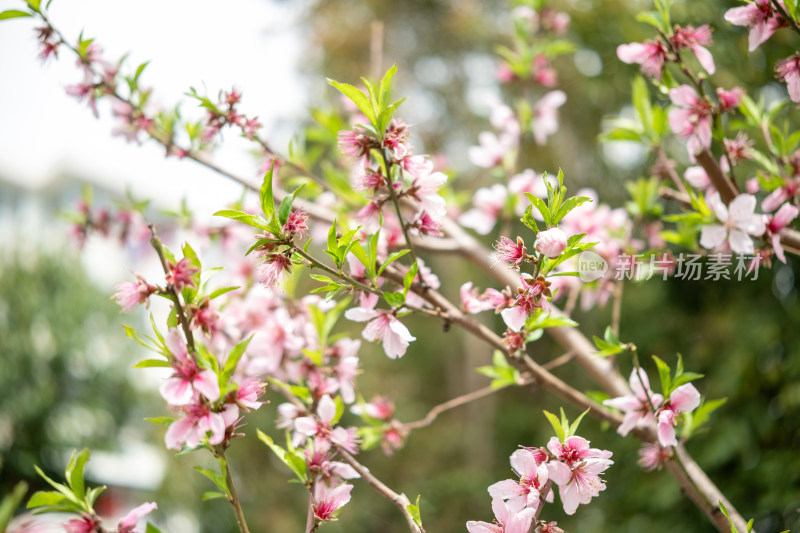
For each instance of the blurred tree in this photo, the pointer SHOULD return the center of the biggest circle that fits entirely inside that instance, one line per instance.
(63, 382)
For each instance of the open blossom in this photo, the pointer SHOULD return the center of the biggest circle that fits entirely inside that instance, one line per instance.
(329, 501)
(760, 16)
(508, 251)
(181, 273)
(472, 303)
(636, 406)
(649, 54)
(690, 119)
(551, 242)
(491, 149)
(739, 221)
(545, 115)
(785, 192)
(788, 71)
(532, 478)
(356, 144)
(425, 190)
(506, 520)
(683, 399)
(488, 204)
(652, 457)
(129, 294)
(577, 471)
(188, 379)
(199, 422)
(696, 39)
(532, 295)
(776, 223)
(382, 326)
(274, 269)
(321, 429)
(84, 90)
(130, 520)
(729, 99)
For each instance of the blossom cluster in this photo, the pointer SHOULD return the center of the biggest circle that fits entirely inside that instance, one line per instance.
(571, 465)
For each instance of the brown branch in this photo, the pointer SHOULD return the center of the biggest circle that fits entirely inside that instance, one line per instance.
(452, 404)
(727, 189)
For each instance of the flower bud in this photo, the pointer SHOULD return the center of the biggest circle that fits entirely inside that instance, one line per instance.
(551, 242)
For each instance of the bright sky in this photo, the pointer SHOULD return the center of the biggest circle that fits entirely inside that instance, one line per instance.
(202, 43)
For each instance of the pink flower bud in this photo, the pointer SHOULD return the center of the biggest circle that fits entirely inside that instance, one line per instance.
(551, 242)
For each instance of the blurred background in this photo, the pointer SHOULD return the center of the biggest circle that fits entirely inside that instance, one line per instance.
(65, 376)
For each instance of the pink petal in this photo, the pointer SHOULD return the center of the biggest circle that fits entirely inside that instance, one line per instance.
(358, 314)
(559, 473)
(177, 433)
(520, 522)
(683, 96)
(505, 489)
(666, 433)
(712, 236)
(514, 317)
(632, 53)
(326, 410)
(685, 398)
(481, 527)
(136, 514)
(524, 463)
(207, 384)
(705, 58)
(177, 391)
(306, 425)
(741, 243)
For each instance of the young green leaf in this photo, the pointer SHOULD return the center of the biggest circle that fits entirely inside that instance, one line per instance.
(556, 423)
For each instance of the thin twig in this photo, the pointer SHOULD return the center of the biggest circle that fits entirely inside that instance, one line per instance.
(155, 241)
(400, 501)
(453, 403)
(234, 499)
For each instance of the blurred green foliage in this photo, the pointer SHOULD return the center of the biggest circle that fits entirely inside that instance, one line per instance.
(63, 377)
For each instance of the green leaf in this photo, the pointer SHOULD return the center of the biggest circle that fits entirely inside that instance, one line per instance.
(701, 415)
(644, 108)
(216, 478)
(152, 363)
(10, 502)
(245, 218)
(222, 290)
(653, 18)
(286, 206)
(34, 4)
(74, 472)
(408, 279)
(539, 204)
(357, 97)
(394, 256)
(265, 194)
(545, 320)
(394, 299)
(150, 528)
(13, 14)
(556, 423)
(233, 359)
(162, 420)
(569, 205)
(664, 374)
